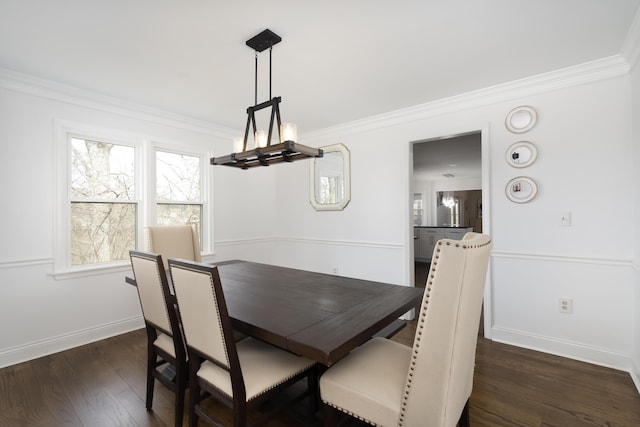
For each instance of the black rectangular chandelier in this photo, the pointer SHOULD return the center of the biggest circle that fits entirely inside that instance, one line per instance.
(264, 153)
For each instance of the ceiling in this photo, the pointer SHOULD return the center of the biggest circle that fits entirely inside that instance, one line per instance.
(339, 61)
(459, 156)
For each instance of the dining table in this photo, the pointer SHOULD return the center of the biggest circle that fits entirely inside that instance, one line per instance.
(319, 316)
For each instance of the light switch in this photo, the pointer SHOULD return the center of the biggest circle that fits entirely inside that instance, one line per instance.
(565, 219)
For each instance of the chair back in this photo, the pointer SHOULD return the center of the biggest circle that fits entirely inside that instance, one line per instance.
(152, 286)
(174, 241)
(440, 376)
(207, 327)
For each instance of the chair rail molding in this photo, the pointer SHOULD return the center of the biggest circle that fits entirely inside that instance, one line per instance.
(533, 256)
(24, 262)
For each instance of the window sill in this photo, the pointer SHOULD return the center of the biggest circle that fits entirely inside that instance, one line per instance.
(92, 270)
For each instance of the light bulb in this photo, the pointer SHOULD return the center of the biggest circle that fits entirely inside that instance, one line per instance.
(238, 144)
(261, 138)
(289, 132)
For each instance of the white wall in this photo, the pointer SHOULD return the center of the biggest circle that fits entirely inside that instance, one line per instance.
(39, 314)
(635, 117)
(584, 139)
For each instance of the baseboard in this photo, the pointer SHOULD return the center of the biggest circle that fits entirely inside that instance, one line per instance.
(635, 375)
(564, 348)
(42, 348)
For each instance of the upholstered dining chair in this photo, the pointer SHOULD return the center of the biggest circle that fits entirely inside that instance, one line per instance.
(386, 383)
(166, 351)
(174, 241)
(241, 374)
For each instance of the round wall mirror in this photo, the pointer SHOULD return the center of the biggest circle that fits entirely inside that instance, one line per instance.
(521, 154)
(521, 119)
(521, 189)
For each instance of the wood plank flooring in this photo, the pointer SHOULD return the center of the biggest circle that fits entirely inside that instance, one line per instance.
(103, 384)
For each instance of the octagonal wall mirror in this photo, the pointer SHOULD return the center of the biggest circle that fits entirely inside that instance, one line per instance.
(330, 179)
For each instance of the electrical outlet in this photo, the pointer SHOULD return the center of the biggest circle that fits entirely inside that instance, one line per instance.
(565, 305)
(335, 270)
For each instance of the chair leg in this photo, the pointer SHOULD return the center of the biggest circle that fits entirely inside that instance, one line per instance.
(314, 393)
(464, 420)
(181, 385)
(331, 415)
(151, 362)
(239, 415)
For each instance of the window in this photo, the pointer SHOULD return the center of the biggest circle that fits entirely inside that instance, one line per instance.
(110, 186)
(103, 205)
(417, 209)
(454, 215)
(178, 192)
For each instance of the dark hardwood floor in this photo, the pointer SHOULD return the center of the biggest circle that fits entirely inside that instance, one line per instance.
(103, 384)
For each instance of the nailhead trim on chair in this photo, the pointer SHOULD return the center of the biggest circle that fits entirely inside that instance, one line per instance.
(427, 295)
(351, 414)
(284, 380)
(213, 291)
(423, 312)
(164, 300)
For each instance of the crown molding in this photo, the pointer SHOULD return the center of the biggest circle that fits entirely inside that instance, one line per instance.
(47, 89)
(601, 69)
(631, 46)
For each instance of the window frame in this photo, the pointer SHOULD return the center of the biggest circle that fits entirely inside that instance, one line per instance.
(145, 191)
(152, 200)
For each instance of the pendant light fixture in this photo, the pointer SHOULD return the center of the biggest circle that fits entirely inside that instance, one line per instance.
(263, 153)
(447, 196)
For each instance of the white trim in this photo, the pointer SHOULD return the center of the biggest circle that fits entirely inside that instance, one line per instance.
(565, 348)
(24, 262)
(61, 232)
(532, 256)
(59, 92)
(237, 242)
(309, 241)
(92, 270)
(485, 142)
(66, 341)
(155, 145)
(610, 67)
(145, 151)
(635, 374)
(631, 46)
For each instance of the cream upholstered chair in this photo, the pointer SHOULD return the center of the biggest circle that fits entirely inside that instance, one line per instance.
(389, 384)
(165, 344)
(174, 241)
(242, 374)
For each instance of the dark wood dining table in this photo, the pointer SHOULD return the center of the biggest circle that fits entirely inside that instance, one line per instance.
(319, 316)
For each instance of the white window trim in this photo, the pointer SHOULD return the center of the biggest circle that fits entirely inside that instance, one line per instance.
(145, 192)
(150, 196)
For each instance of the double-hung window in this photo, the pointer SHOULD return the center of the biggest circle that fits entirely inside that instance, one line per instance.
(103, 205)
(178, 188)
(111, 187)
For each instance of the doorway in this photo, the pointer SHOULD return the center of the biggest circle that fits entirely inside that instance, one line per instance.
(447, 189)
